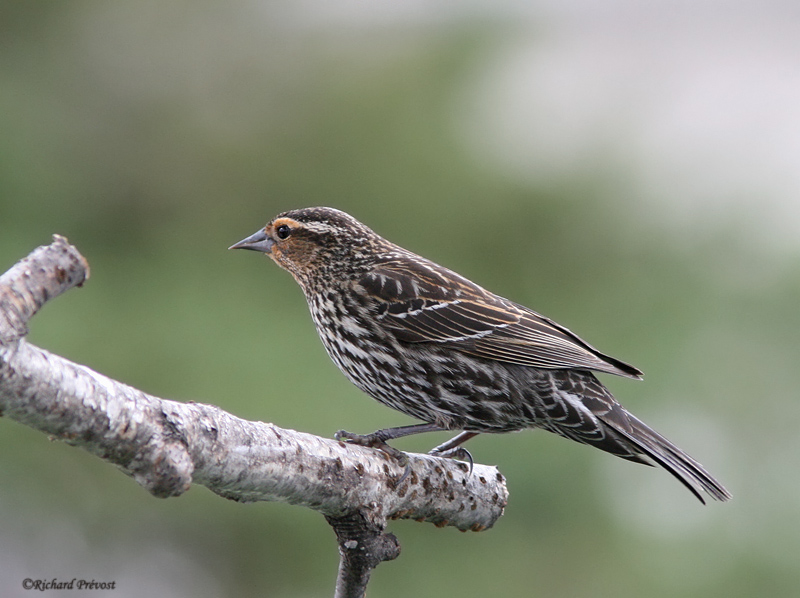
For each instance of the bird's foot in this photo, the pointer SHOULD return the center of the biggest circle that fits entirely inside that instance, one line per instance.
(457, 452)
(378, 441)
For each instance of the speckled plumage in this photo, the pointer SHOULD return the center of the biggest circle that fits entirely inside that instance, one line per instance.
(428, 342)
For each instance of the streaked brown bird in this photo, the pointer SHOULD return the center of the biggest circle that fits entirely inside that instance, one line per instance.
(426, 341)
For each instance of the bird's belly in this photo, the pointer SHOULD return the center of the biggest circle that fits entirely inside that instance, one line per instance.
(452, 390)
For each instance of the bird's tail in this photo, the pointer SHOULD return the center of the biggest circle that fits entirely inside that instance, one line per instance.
(653, 445)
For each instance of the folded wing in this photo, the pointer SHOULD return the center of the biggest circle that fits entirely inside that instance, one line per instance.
(420, 302)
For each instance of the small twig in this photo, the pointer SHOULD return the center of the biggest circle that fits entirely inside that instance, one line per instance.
(166, 445)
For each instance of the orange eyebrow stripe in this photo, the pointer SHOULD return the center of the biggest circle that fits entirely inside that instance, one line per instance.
(286, 221)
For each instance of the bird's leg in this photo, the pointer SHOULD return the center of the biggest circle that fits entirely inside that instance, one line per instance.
(378, 440)
(452, 449)
(453, 445)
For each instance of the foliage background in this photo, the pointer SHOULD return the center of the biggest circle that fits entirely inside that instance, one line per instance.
(629, 170)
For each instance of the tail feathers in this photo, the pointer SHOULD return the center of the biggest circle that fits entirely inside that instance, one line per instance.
(688, 471)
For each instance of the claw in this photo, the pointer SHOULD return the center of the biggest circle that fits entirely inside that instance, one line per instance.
(405, 474)
(378, 441)
(458, 452)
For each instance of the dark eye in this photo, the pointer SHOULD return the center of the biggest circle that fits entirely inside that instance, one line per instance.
(283, 231)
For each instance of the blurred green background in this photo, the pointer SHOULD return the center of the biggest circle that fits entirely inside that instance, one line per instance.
(560, 154)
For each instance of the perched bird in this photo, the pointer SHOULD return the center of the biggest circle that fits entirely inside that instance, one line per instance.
(426, 341)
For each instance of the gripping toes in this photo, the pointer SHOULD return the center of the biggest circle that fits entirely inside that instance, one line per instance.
(377, 441)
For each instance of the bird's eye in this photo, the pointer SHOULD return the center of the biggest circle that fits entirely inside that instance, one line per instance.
(283, 231)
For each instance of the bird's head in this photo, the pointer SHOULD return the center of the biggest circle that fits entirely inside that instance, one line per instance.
(312, 241)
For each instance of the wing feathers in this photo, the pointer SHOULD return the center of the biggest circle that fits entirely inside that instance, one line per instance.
(428, 303)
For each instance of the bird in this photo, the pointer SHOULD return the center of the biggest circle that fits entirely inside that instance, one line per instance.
(430, 343)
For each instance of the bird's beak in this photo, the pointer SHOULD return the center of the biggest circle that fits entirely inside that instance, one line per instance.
(258, 241)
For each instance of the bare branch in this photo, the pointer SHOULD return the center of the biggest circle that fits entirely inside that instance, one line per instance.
(166, 445)
(362, 547)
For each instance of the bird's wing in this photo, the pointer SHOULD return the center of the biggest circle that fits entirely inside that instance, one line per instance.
(420, 302)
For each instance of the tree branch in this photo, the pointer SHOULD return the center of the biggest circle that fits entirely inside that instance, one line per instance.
(362, 547)
(166, 445)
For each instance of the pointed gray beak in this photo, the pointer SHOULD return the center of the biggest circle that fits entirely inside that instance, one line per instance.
(258, 241)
